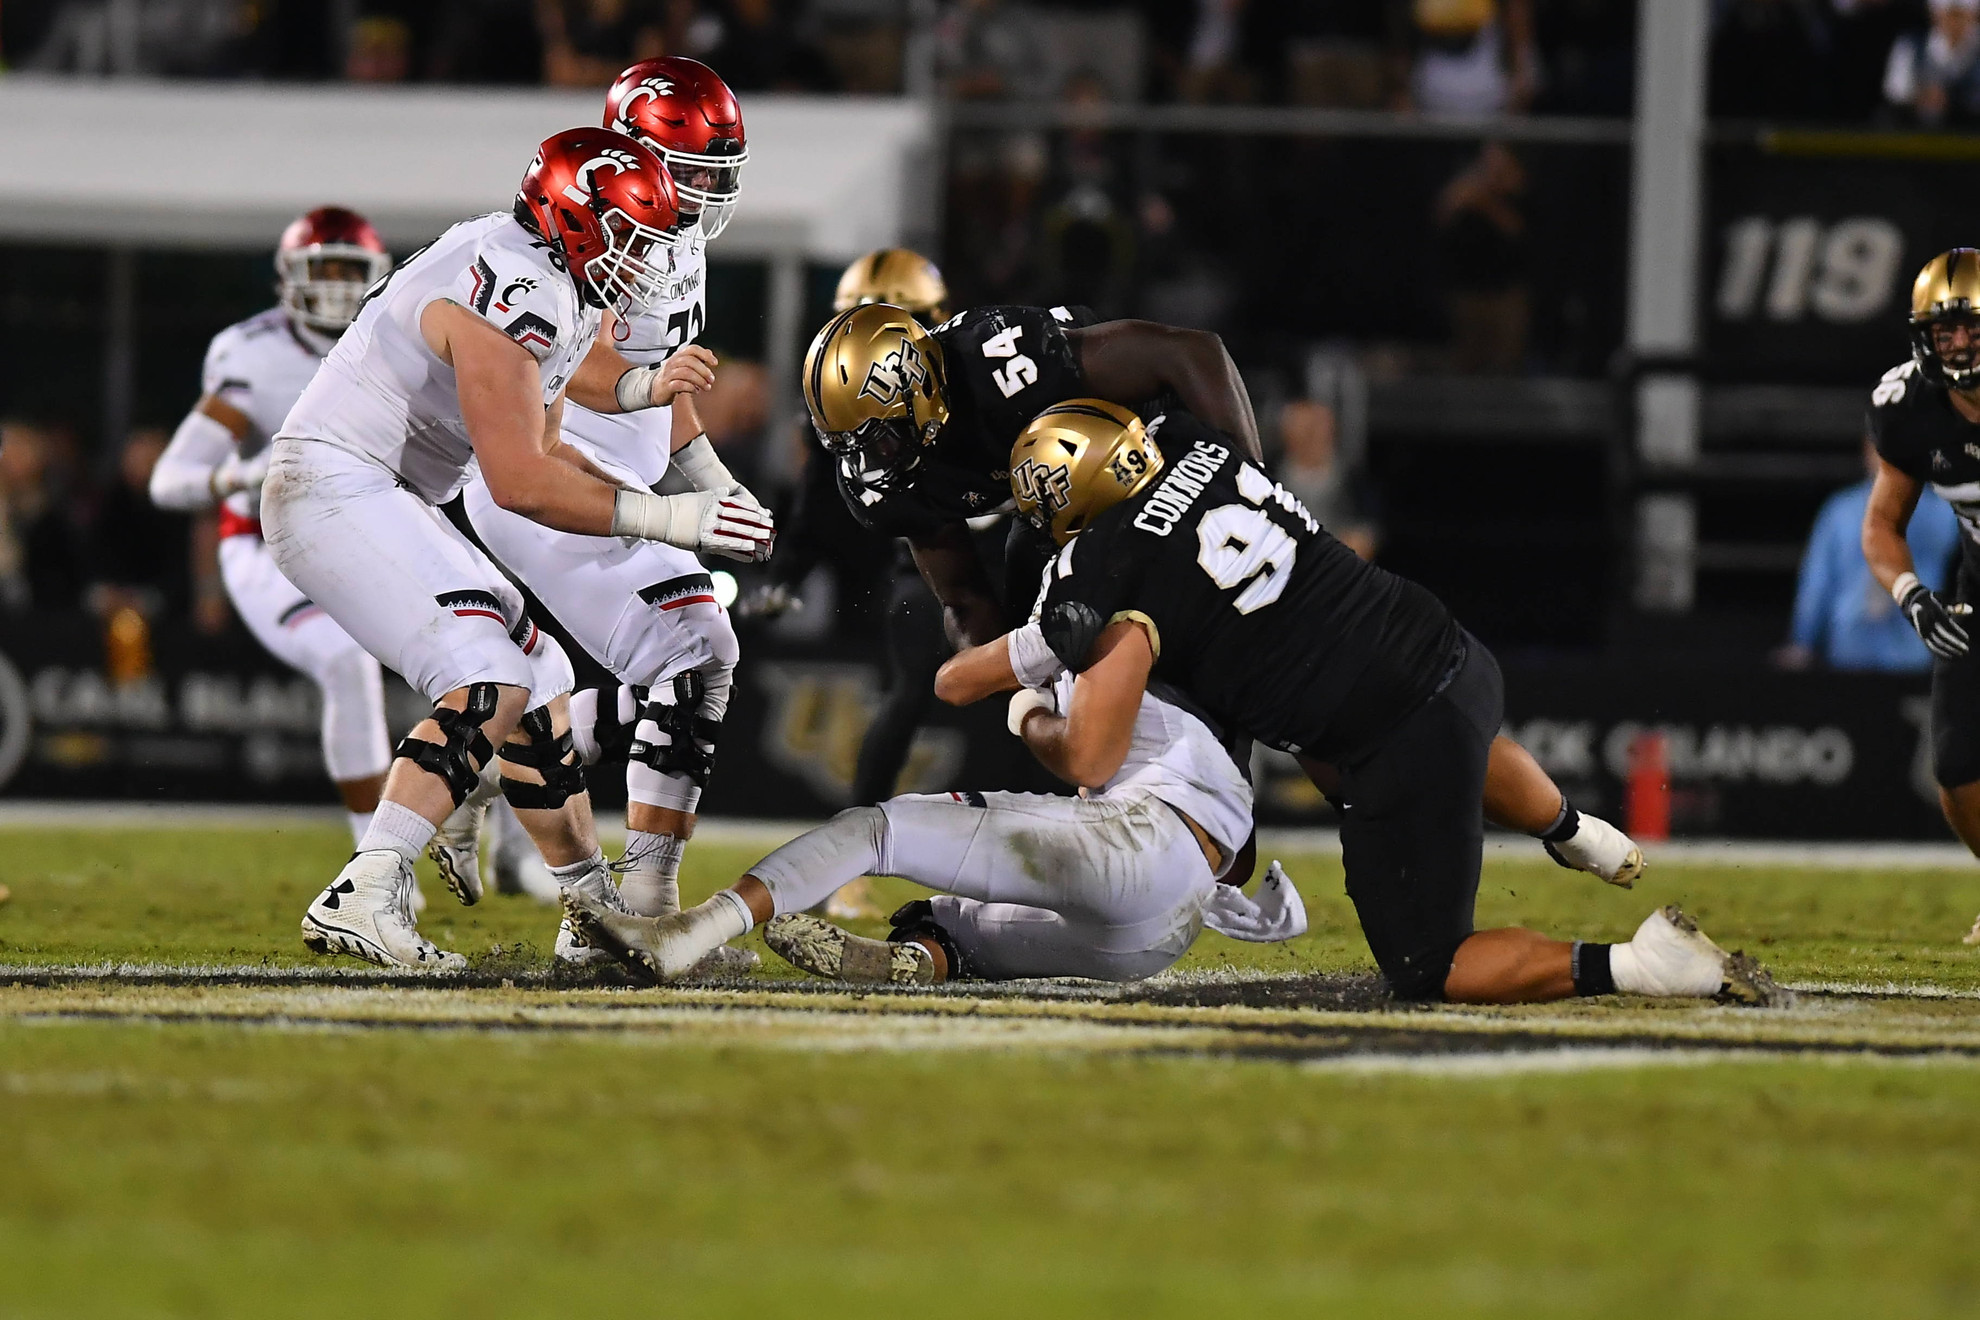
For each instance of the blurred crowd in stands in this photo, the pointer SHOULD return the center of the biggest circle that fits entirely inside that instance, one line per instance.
(1858, 61)
(1456, 257)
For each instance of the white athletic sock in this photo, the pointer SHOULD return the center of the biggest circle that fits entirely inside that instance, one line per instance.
(360, 825)
(651, 884)
(565, 875)
(724, 916)
(401, 829)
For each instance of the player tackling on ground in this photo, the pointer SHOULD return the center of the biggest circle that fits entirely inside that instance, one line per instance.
(645, 610)
(253, 372)
(1188, 565)
(1925, 422)
(464, 354)
(920, 425)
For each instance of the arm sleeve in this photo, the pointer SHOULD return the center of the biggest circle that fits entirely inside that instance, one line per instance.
(183, 478)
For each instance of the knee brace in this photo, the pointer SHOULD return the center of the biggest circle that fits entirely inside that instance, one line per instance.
(685, 744)
(916, 921)
(554, 756)
(459, 759)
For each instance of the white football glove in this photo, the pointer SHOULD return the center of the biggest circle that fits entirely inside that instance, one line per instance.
(236, 474)
(735, 527)
(1277, 913)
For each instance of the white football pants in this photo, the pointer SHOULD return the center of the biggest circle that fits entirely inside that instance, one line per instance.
(644, 610)
(300, 635)
(1111, 888)
(399, 578)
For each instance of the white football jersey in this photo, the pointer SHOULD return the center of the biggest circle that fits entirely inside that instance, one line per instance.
(1173, 755)
(259, 366)
(638, 445)
(382, 393)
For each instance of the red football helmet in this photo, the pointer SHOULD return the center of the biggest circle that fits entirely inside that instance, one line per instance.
(608, 210)
(681, 109)
(323, 265)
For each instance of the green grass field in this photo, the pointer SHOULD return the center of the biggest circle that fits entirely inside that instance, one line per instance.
(327, 1147)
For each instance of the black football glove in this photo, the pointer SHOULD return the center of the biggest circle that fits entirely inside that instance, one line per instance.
(1941, 631)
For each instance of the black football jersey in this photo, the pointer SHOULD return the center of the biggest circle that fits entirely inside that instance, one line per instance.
(1002, 366)
(1254, 609)
(1916, 431)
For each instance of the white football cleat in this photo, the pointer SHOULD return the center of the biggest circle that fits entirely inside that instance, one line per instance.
(597, 888)
(1973, 936)
(666, 948)
(456, 846)
(819, 947)
(1600, 849)
(1674, 958)
(366, 912)
(519, 867)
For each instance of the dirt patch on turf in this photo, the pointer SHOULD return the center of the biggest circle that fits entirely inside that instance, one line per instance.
(1340, 993)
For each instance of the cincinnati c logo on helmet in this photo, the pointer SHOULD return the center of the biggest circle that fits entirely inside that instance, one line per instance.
(1045, 486)
(649, 89)
(611, 159)
(898, 374)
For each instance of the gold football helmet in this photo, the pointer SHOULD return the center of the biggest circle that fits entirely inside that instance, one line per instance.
(873, 382)
(1947, 290)
(1078, 459)
(898, 277)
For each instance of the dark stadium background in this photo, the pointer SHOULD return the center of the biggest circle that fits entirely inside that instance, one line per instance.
(1284, 178)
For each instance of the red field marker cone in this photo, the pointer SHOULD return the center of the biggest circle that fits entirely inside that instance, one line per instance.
(1647, 796)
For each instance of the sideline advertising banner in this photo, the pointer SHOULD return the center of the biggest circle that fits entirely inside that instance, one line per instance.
(1749, 752)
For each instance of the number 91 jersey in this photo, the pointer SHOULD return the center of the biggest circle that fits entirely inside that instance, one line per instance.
(1252, 608)
(637, 445)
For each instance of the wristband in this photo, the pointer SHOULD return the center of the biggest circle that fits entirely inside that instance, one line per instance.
(697, 461)
(1031, 657)
(635, 389)
(1901, 588)
(648, 517)
(1023, 702)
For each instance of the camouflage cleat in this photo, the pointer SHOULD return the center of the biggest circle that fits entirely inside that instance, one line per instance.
(1747, 982)
(819, 947)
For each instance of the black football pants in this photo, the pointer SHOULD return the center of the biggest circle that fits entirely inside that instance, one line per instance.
(1413, 828)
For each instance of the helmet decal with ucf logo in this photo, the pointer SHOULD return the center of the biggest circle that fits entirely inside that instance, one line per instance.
(901, 372)
(1046, 487)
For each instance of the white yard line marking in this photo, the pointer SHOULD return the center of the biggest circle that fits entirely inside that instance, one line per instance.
(1517, 1063)
(28, 813)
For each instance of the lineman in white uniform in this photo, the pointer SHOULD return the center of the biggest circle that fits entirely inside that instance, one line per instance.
(646, 611)
(465, 355)
(1113, 886)
(253, 372)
